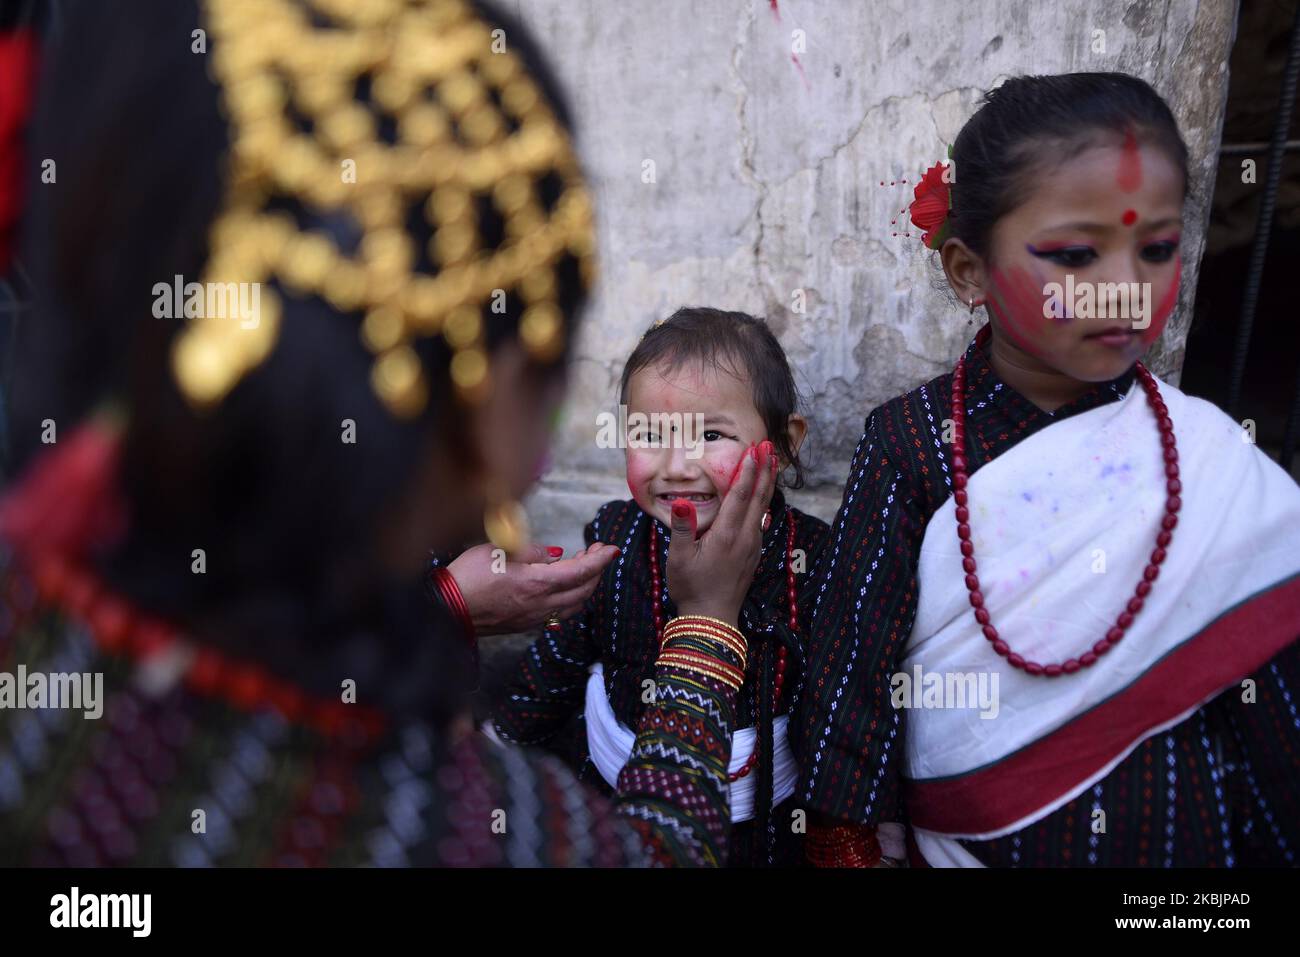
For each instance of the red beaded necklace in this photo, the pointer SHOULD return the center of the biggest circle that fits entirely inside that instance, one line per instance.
(119, 629)
(1172, 504)
(656, 604)
(67, 504)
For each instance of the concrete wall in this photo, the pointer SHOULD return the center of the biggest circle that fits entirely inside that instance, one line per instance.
(767, 167)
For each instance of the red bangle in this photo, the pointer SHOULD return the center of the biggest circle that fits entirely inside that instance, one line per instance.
(445, 582)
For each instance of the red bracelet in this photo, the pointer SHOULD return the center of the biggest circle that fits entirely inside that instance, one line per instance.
(449, 591)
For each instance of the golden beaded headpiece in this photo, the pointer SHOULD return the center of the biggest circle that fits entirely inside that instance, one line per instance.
(470, 125)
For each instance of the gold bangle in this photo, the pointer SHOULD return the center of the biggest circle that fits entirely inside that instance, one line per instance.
(701, 664)
(717, 621)
(712, 644)
(704, 673)
(688, 624)
(711, 626)
(711, 637)
(687, 654)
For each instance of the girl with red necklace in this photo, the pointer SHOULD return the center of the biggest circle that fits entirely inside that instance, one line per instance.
(581, 687)
(1050, 520)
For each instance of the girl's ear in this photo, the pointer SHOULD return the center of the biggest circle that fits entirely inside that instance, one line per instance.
(965, 271)
(796, 429)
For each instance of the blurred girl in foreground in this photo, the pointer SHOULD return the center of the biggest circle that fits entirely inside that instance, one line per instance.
(237, 542)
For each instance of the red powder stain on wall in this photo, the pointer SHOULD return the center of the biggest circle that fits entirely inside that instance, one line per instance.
(794, 58)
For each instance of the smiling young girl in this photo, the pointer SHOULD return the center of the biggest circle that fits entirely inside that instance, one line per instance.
(582, 686)
(1114, 552)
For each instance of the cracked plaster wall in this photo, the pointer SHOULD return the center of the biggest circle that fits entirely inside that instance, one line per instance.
(767, 181)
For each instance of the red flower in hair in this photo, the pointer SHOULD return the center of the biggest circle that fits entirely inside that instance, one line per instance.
(930, 207)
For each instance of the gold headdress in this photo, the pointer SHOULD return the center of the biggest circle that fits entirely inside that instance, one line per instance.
(470, 125)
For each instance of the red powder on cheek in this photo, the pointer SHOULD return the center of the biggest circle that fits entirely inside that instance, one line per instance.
(1008, 327)
(1016, 298)
(1130, 217)
(1165, 308)
(638, 481)
(723, 470)
(1129, 176)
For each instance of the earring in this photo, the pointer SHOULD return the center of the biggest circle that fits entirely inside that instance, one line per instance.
(506, 525)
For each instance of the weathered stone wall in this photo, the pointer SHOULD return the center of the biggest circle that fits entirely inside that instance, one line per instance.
(767, 159)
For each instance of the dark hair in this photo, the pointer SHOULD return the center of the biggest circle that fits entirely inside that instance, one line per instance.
(1030, 122)
(286, 512)
(724, 340)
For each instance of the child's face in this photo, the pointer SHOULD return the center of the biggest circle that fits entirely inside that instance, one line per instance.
(702, 473)
(1111, 215)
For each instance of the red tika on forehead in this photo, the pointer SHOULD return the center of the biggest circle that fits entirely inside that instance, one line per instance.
(1129, 176)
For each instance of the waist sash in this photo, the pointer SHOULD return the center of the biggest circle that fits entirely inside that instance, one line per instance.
(610, 744)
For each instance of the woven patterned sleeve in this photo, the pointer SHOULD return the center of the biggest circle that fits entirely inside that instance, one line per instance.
(550, 683)
(518, 807)
(674, 786)
(865, 584)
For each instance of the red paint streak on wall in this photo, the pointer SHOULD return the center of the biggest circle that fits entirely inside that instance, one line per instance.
(804, 76)
(794, 57)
